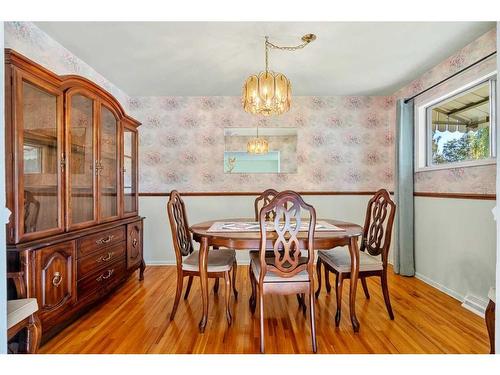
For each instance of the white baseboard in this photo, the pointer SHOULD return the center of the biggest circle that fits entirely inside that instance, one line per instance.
(475, 304)
(159, 262)
(440, 287)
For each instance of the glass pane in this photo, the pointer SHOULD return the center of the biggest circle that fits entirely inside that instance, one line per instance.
(108, 163)
(40, 159)
(461, 127)
(127, 142)
(129, 170)
(81, 159)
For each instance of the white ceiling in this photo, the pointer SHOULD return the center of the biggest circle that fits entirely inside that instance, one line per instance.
(214, 58)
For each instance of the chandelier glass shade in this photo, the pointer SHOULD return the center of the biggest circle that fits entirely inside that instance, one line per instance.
(269, 93)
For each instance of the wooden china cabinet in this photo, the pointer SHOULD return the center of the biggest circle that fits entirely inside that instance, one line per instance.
(71, 177)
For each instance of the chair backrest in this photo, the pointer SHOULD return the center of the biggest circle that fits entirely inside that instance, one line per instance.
(181, 236)
(31, 210)
(263, 200)
(378, 225)
(286, 246)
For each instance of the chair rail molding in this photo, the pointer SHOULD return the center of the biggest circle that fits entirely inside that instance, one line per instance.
(251, 193)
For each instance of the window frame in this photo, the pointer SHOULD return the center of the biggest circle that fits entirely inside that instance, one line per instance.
(424, 125)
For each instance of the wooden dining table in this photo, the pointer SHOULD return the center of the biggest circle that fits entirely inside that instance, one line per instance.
(323, 240)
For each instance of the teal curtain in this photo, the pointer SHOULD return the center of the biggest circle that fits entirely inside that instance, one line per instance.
(404, 256)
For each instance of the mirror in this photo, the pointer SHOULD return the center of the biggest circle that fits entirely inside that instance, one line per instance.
(281, 157)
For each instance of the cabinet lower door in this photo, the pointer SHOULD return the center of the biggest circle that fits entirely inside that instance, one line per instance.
(55, 282)
(134, 244)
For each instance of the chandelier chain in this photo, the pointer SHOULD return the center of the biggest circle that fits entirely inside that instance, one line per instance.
(286, 48)
(306, 38)
(267, 54)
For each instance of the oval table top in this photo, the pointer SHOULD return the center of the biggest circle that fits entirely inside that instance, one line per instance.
(251, 240)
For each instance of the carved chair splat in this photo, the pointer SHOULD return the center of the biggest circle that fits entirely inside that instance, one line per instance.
(374, 250)
(220, 263)
(287, 271)
(263, 200)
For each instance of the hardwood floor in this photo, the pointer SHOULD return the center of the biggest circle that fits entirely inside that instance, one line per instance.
(136, 320)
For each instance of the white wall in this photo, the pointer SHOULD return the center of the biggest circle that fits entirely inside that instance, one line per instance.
(158, 241)
(455, 245)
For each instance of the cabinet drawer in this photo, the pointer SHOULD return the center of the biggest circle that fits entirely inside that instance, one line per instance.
(95, 242)
(100, 259)
(102, 280)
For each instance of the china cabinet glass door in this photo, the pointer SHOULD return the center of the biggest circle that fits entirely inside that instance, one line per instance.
(107, 166)
(81, 160)
(39, 159)
(129, 171)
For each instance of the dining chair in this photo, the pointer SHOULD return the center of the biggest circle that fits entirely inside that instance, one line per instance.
(31, 210)
(489, 317)
(219, 263)
(374, 250)
(287, 271)
(262, 200)
(22, 313)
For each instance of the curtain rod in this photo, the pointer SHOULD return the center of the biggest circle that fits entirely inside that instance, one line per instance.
(453, 75)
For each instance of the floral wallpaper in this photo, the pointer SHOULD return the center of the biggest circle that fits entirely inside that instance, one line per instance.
(478, 179)
(27, 39)
(343, 143)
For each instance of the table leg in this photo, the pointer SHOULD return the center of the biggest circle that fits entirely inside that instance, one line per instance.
(354, 252)
(216, 284)
(204, 282)
(489, 317)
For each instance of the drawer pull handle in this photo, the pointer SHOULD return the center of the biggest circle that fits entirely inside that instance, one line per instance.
(106, 275)
(102, 241)
(105, 258)
(57, 279)
(134, 242)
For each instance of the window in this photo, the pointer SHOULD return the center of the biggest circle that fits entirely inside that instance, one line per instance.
(460, 129)
(32, 159)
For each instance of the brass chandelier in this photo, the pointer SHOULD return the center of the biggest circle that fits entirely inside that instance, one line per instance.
(269, 93)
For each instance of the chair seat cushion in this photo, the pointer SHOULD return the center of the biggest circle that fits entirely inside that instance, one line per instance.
(20, 309)
(218, 260)
(272, 276)
(340, 260)
(492, 295)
